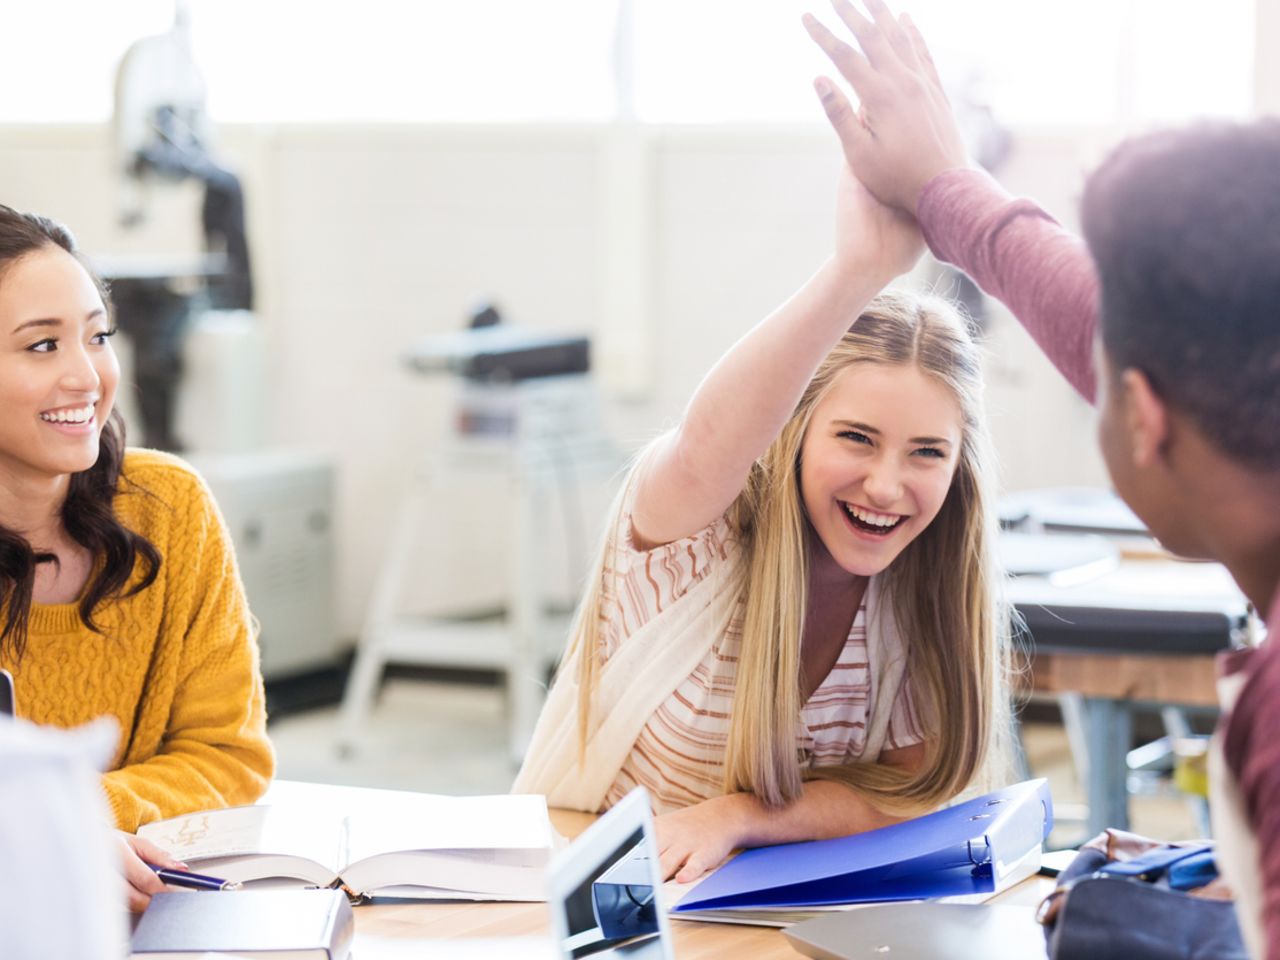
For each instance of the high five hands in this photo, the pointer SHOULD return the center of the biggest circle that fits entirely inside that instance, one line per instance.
(904, 133)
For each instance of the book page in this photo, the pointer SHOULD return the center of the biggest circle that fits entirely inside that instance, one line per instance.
(510, 824)
(336, 826)
(247, 831)
(385, 821)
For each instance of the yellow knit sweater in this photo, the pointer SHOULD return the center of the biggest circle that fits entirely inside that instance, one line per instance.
(176, 665)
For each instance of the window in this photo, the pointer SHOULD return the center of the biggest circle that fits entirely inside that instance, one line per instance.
(1033, 62)
(325, 60)
(388, 60)
(60, 56)
(694, 61)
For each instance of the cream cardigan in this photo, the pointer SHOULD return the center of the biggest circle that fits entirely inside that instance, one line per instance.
(644, 672)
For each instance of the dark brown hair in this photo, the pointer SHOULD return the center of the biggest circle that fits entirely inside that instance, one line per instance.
(1183, 227)
(87, 513)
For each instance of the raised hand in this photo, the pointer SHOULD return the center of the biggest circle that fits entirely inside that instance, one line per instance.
(873, 239)
(904, 133)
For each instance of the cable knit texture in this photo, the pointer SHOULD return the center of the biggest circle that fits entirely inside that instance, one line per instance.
(176, 665)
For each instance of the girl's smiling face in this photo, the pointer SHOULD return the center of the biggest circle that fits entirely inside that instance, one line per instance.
(876, 463)
(58, 372)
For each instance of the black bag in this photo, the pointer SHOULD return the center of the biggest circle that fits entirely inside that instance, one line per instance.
(1106, 908)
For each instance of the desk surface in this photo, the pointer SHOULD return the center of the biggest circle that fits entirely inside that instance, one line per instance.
(473, 929)
(1141, 606)
(1144, 631)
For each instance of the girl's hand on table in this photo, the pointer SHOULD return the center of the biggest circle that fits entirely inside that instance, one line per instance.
(698, 838)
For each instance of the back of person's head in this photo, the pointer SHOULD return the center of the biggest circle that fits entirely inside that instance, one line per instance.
(1185, 229)
(941, 584)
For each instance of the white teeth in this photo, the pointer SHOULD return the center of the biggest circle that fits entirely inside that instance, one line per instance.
(82, 415)
(875, 519)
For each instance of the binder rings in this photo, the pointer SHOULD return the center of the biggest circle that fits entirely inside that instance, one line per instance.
(970, 850)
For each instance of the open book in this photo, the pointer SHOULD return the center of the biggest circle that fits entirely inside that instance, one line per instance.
(372, 842)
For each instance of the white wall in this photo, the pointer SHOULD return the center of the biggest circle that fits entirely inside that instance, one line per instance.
(365, 238)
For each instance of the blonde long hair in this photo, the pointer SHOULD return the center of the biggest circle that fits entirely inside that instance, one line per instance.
(944, 588)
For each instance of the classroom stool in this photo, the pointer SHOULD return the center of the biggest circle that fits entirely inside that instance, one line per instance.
(543, 437)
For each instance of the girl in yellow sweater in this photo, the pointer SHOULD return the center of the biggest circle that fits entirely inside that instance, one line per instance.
(119, 594)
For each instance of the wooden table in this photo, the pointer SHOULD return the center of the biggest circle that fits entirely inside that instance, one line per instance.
(479, 931)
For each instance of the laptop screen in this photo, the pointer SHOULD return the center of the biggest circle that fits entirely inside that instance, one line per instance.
(605, 888)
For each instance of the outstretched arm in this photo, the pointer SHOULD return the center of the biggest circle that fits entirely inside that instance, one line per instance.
(904, 145)
(699, 837)
(699, 468)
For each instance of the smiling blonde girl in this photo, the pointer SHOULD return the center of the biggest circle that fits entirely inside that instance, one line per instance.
(793, 630)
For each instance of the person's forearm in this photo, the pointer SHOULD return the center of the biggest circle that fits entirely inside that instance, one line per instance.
(826, 809)
(1020, 255)
(748, 396)
(215, 752)
(192, 776)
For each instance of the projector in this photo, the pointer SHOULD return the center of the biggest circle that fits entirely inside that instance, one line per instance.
(501, 354)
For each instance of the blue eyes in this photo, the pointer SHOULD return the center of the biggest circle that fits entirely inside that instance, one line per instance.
(861, 438)
(855, 436)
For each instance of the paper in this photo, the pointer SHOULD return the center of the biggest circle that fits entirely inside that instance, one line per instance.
(259, 829)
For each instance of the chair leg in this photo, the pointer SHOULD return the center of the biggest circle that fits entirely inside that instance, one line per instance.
(1109, 729)
(1073, 721)
(370, 660)
(357, 700)
(1178, 727)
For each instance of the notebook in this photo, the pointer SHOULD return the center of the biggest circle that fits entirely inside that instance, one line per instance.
(266, 924)
(386, 843)
(965, 853)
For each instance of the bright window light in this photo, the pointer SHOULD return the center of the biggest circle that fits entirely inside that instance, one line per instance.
(699, 61)
(391, 60)
(1032, 61)
(60, 56)
(690, 61)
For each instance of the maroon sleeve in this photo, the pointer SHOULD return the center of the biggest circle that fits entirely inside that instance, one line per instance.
(1252, 751)
(1021, 256)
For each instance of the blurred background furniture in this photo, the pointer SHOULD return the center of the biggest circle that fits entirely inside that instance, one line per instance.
(525, 410)
(1105, 638)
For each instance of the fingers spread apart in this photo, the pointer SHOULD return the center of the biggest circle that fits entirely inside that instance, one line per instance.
(852, 65)
(873, 36)
(849, 124)
(922, 54)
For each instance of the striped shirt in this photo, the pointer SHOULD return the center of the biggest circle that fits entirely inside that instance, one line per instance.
(679, 755)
